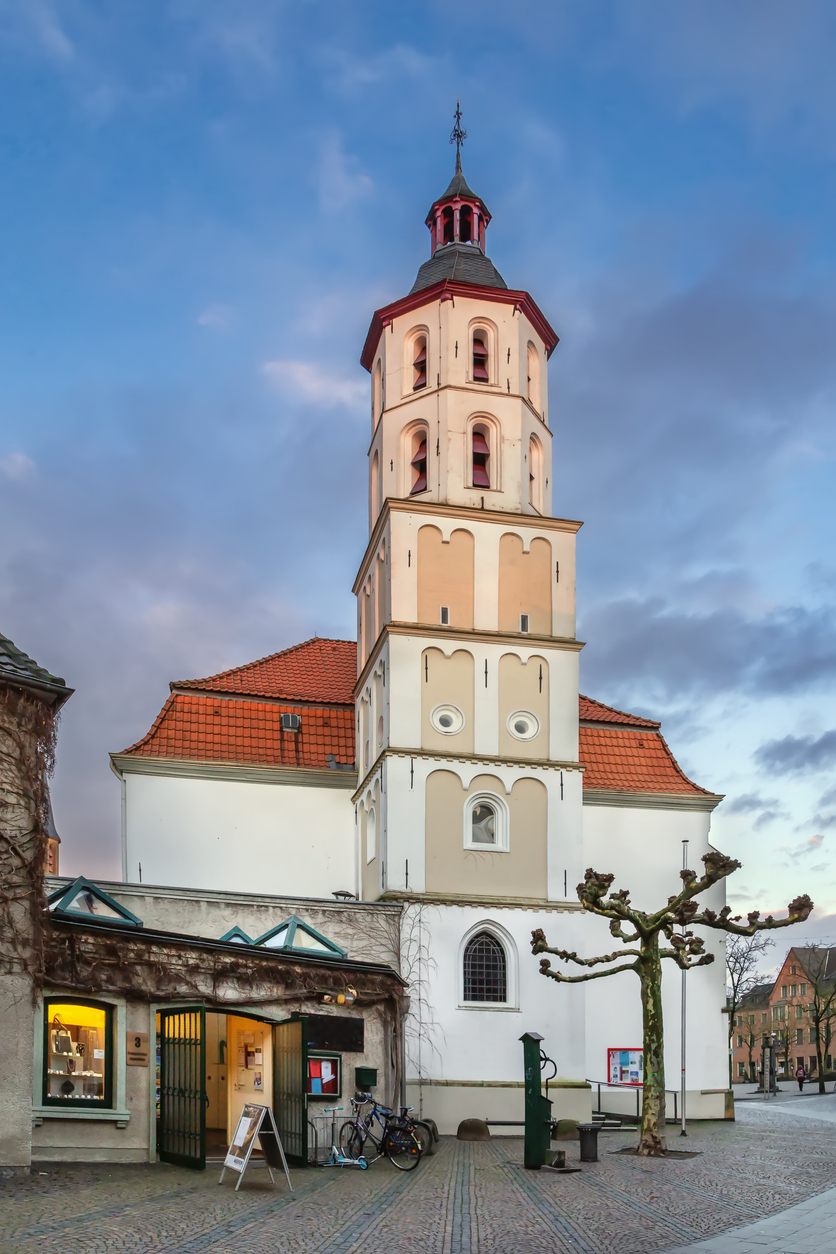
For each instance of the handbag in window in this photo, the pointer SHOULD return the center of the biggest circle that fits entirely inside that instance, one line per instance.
(62, 1042)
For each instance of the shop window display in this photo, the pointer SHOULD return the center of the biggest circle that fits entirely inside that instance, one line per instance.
(78, 1043)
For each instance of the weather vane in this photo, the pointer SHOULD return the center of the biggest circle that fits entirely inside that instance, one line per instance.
(458, 135)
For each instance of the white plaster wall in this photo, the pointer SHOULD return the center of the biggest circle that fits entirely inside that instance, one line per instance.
(469, 1043)
(644, 850)
(244, 837)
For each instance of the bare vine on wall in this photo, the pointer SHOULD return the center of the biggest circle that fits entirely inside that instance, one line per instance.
(27, 757)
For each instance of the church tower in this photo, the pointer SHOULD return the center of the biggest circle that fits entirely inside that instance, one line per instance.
(467, 694)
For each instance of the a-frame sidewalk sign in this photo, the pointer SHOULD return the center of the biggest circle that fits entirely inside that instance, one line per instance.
(256, 1121)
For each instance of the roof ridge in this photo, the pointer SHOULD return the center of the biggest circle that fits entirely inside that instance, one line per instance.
(259, 661)
(637, 718)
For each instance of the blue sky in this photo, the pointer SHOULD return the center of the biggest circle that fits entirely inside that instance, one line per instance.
(204, 202)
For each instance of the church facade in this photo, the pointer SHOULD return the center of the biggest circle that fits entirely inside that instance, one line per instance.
(445, 763)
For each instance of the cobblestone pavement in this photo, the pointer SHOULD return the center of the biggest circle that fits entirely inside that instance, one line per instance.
(467, 1198)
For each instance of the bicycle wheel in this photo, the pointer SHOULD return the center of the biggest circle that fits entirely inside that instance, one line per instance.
(424, 1134)
(402, 1148)
(351, 1140)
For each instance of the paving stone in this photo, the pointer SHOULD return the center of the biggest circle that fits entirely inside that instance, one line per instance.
(758, 1186)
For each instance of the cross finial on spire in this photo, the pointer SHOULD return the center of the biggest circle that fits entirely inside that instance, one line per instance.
(458, 135)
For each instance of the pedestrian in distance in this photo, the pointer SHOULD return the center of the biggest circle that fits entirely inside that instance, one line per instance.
(801, 1076)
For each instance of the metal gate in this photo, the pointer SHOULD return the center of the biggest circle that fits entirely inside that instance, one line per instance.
(182, 1127)
(290, 1083)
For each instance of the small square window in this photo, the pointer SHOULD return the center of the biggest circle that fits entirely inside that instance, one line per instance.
(291, 722)
(523, 622)
(445, 616)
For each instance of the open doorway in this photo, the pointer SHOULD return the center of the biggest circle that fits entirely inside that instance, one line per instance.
(209, 1065)
(239, 1069)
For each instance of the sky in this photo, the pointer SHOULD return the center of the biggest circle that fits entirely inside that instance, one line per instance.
(203, 203)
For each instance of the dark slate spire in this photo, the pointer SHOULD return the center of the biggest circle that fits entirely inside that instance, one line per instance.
(458, 221)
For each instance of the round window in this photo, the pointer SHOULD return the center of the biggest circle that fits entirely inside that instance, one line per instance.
(447, 719)
(523, 725)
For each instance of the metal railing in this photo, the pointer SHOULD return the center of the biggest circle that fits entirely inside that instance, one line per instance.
(639, 1091)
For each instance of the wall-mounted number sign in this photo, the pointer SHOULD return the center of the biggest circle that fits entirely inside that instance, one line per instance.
(138, 1049)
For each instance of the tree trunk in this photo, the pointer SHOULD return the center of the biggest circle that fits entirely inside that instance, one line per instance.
(819, 1060)
(652, 1137)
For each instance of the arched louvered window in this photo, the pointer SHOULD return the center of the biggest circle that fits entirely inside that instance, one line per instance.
(481, 458)
(419, 467)
(419, 363)
(485, 969)
(447, 225)
(465, 224)
(480, 358)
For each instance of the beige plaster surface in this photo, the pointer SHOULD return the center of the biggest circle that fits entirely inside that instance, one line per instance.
(450, 867)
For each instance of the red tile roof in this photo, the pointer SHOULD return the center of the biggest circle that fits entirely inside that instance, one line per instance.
(195, 726)
(199, 728)
(593, 711)
(632, 761)
(316, 670)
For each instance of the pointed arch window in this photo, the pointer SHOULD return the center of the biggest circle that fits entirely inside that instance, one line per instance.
(481, 373)
(485, 970)
(419, 363)
(481, 458)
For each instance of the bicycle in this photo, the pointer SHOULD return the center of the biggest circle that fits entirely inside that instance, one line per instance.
(395, 1138)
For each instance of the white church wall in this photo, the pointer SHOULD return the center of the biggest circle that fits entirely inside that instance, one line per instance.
(245, 837)
(469, 1058)
(643, 848)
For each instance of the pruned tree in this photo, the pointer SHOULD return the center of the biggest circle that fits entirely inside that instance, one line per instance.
(743, 957)
(685, 949)
(819, 963)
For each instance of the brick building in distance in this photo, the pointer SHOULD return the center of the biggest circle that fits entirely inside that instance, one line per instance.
(784, 1008)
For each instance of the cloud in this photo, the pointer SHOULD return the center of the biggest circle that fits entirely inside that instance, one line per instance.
(218, 317)
(674, 654)
(747, 803)
(341, 183)
(828, 798)
(803, 850)
(36, 21)
(798, 753)
(311, 383)
(16, 466)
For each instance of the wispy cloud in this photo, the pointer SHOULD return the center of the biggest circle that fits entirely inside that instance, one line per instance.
(803, 850)
(340, 180)
(798, 753)
(311, 382)
(16, 466)
(216, 317)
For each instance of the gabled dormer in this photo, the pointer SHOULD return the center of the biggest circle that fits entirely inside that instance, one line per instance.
(83, 901)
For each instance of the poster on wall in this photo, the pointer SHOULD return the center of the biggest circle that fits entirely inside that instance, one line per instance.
(626, 1066)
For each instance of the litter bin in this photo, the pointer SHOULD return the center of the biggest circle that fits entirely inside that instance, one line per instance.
(588, 1133)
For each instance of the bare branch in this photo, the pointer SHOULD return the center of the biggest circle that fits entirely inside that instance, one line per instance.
(539, 946)
(545, 969)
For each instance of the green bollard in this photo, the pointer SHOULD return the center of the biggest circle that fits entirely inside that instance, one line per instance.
(537, 1107)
